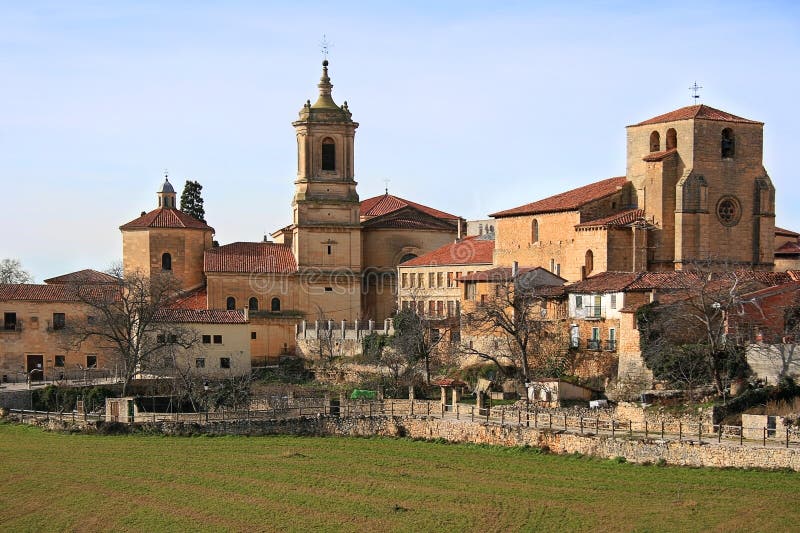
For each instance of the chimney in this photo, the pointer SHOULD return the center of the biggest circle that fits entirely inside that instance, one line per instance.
(247, 313)
(515, 270)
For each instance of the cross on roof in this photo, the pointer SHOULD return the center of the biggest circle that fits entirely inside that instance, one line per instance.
(324, 46)
(695, 91)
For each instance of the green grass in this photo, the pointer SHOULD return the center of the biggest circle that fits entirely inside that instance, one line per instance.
(51, 481)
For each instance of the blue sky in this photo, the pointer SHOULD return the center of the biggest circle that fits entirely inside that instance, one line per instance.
(470, 107)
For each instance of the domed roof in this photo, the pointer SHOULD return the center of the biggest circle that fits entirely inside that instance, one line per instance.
(167, 187)
(325, 109)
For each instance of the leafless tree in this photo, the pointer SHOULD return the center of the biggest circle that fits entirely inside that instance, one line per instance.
(124, 318)
(420, 339)
(11, 271)
(515, 331)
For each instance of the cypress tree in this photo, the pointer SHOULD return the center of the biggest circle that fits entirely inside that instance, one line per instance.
(192, 201)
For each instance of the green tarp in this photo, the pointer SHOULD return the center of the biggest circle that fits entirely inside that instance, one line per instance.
(359, 394)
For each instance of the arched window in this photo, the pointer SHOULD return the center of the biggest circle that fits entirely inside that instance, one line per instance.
(672, 139)
(728, 143)
(230, 303)
(589, 263)
(655, 142)
(328, 154)
(535, 231)
(407, 257)
(695, 194)
(253, 303)
(166, 261)
(275, 305)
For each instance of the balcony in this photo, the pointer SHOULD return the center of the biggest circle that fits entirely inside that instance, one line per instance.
(11, 327)
(610, 345)
(593, 344)
(596, 345)
(589, 312)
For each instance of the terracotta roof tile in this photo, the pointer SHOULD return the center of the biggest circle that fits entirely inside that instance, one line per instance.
(194, 299)
(568, 201)
(701, 111)
(785, 232)
(679, 280)
(788, 248)
(50, 293)
(165, 217)
(448, 382)
(387, 203)
(615, 220)
(776, 289)
(533, 274)
(467, 251)
(605, 282)
(659, 156)
(200, 316)
(251, 257)
(83, 276)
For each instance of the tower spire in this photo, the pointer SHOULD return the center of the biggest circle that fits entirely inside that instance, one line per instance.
(325, 86)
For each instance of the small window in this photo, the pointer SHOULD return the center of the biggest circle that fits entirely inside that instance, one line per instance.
(206, 339)
(440, 279)
(728, 144)
(404, 279)
(450, 277)
(655, 142)
(60, 361)
(166, 261)
(328, 154)
(91, 361)
(217, 339)
(589, 263)
(224, 362)
(470, 291)
(59, 321)
(230, 303)
(275, 304)
(613, 300)
(328, 289)
(252, 335)
(535, 231)
(253, 303)
(431, 280)
(9, 321)
(200, 362)
(407, 257)
(420, 280)
(578, 301)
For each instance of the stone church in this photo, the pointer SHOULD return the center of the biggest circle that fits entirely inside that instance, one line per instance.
(337, 260)
(695, 191)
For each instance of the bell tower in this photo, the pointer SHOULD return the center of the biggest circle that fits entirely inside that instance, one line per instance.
(325, 208)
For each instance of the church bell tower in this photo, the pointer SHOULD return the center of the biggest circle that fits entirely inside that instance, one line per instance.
(325, 208)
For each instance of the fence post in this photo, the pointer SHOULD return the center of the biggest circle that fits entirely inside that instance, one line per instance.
(457, 414)
(645, 429)
(680, 431)
(502, 415)
(719, 435)
(565, 421)
(391, 405)
(550, 419)
(662, 430)
(472, 409)
(741, 434)
(535, 419)
(630, 428)
(412, 407)
(519, 417)
(370, 409)
(527, 418)
(613, 429)
(442, 410)
(700, 433)
(764, 437)
(487, 414)
(581, 422)
(787, 436)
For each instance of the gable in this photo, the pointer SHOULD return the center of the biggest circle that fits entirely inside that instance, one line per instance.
(408, 217)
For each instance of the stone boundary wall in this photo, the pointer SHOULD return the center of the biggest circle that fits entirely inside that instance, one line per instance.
(462, 431)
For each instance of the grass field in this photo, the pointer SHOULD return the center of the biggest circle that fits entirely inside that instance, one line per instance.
(52, 481)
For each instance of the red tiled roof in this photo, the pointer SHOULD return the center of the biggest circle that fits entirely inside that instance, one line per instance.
(166, 217)
(788, 248)
(387, 203)
(504, 274)
(251, 257)
(678, 280)
(615, 220)
(448, 382)
(200, 316)
(568, 201)
(50, 293)
(194, 299)
(659, 156)
(605, 282)
(83, 276)
(467, 251)
(776, 289)
(785, 232)
(701, 111)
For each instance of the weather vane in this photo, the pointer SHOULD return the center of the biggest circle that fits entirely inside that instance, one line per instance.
(166, 174)
(324, 46)
(695, 91)
(386, 183)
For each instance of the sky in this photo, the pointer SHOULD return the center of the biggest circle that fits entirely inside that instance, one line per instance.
(470, 107)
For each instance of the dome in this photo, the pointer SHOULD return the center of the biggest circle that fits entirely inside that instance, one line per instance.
(167, 187)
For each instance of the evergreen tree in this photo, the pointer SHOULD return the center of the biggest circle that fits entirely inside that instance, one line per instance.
(192, 201)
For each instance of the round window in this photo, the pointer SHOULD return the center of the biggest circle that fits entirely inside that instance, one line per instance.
(729, 211)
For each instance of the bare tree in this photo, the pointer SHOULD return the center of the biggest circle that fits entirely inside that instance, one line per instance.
(420, 339)
(514, 330)
(11, 271)
(124, 317)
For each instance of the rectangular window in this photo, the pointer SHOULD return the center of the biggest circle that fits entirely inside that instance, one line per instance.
(91, 361)
(483, 299)
(404, 283)
(60, 360)
(440, 308)
(405, 305)
(440, 279)
(328, 289)
(59, 321)
(252, 335)
(451, 308)
(420, 308)
(328, 156)
(200, 362)
(224, 362)
(329, 249)
(431, 280)
(558, 269)
(217, 339)
(413, 280)
(450, 277)
(420, 280)
(9, 321)
(613, 300)
(206, 339)
(578, 301)
(431, 308)
(470, 291)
